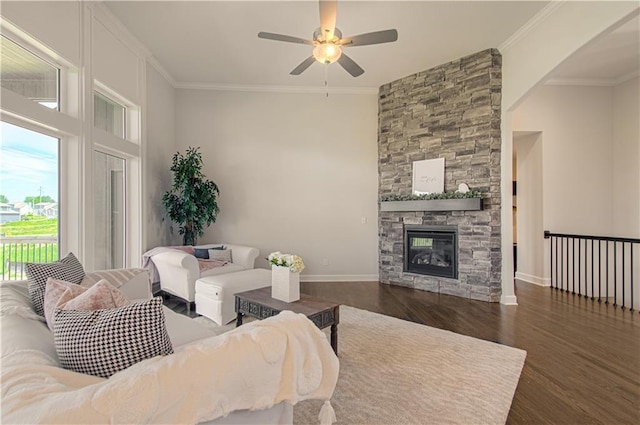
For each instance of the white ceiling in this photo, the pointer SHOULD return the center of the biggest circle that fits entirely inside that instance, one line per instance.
(215, 43)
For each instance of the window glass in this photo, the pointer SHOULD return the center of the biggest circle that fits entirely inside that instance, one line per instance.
(24, 73)
(109, 201)
(28, 199)
(108, 115)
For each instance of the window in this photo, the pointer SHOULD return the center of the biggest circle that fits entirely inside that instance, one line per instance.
(109, 115)
(115, 186)
(29, 163)
(28, 75)
(94, 169)
(109, 211)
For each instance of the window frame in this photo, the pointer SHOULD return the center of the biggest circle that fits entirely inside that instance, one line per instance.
(130, 150)
(72, 124)
(34, 51)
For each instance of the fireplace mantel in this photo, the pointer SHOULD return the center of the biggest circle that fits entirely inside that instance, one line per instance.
(464, 204)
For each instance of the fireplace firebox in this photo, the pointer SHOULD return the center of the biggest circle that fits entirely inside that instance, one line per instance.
(431, 250)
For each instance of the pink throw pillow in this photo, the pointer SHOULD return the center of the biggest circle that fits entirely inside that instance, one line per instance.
(102, 295)
(53, 291)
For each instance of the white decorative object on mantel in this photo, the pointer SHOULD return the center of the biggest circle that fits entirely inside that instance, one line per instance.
(285, 284)
(428, 176)
(463, 188)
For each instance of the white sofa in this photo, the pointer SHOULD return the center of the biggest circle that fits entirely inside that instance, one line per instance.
(178, 270)
(247, 375)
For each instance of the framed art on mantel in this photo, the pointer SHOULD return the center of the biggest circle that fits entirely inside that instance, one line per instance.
(428, 176)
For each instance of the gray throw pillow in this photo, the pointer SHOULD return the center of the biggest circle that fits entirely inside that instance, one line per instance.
(103, 342)
(202, 253)
(220, 255)
(68, 269)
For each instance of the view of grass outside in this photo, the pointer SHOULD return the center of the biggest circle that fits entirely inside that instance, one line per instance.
(31, 226)
(28, 193)
(34, 240)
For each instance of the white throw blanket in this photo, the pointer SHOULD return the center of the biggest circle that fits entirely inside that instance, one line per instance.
(149, 265)
(284, 358)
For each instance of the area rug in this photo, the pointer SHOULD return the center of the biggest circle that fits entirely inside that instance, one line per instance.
(398, 372)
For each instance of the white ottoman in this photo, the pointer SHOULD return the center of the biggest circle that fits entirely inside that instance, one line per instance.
(215, 294)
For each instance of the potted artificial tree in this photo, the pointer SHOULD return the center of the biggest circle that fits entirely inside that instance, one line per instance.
(192, 200)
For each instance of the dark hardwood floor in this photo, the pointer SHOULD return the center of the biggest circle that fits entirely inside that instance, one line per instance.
(583, 358)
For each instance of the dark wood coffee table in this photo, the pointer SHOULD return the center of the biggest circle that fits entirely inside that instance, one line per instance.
(259, 304)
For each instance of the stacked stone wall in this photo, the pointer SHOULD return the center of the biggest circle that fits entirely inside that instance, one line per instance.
(451, 111)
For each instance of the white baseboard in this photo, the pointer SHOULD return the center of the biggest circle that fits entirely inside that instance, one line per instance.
(339, 278)
(508, 300)
(536, 280)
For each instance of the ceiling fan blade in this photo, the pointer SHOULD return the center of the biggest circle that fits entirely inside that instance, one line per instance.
(350, 66)
(328, 12)
(287, 38)
(303, 66)
(377, 37)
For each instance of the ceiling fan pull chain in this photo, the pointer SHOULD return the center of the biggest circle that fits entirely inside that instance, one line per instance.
(326, 78)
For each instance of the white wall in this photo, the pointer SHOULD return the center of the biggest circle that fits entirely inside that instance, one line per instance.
(626, 170)
(84, 40)
(576, 124)
(626, 160)
(527, 59)
(591, 165)
(160, 147)
(530, 226)
(56, 24)
(297, 173)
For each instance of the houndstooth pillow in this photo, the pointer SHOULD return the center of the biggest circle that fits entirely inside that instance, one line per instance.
(103, 342)
(68, 269)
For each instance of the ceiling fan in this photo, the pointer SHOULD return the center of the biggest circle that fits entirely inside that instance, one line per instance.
(328, 41)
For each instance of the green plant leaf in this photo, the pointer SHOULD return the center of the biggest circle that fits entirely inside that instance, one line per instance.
(431, 196)
(192, 201)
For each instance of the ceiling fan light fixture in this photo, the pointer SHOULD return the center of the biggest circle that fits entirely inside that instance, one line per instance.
(327, 53)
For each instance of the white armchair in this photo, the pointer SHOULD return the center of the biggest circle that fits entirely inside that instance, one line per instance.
(179, 270)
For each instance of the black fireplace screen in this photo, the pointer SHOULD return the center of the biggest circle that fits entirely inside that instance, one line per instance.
(431, 251)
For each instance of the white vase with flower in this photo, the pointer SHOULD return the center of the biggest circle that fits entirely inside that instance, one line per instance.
(285, 276)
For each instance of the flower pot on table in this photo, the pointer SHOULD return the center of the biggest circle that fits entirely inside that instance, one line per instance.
(285, 284)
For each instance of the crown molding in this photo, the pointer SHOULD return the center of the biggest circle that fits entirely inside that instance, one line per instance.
(629, 76)
(593, 82)
(151, 60)
(530, 24)
(117, 28)
(276, 89)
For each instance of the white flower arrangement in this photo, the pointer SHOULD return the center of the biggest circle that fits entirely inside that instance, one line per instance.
(293, 262)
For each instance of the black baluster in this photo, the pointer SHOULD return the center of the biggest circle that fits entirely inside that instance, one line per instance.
(631, 309)
(615, 274)
(592, 275)
(599, 271)
(556, 271)
(579, 271)
(586, 263)
(573, 267)
(606, 300)
(624, 250)
(565, 266)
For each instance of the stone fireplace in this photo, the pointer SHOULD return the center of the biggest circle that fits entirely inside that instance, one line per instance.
(451, 111)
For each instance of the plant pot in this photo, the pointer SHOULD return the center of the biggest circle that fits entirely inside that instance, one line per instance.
(285, 284)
